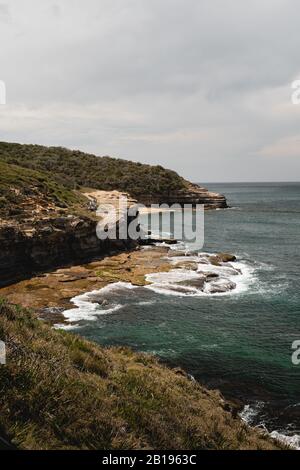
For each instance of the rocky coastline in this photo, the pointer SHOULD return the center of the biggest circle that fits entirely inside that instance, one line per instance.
(49, 295)
(73, 393)
(38, 244)
(192, 194)
(29, 250)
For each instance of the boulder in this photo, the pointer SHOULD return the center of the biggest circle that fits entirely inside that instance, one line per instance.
(226, 257)
(175, 254)
(198, 283)
(189, 265)
(215, 260)
(176, 288)
(220, 288)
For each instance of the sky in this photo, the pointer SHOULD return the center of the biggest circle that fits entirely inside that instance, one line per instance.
(199, 86)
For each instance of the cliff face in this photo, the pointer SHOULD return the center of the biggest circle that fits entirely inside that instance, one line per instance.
(73, 169)
(40, 243)
(48, 196)
(191, 194)
(50, 244)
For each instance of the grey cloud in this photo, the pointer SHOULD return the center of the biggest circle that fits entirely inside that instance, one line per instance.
(200, 86)
(4, 13)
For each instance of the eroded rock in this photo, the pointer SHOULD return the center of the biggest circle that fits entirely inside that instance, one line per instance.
(226, 257)
(220, 288)
(198, 283)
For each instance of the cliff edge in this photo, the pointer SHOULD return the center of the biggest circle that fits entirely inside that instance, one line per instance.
(74, 169)
(59, 391)
(47, 216)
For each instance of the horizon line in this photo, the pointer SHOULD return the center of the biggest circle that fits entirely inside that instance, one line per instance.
(247, 182)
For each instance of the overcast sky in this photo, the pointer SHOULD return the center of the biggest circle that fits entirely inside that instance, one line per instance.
(200, 86)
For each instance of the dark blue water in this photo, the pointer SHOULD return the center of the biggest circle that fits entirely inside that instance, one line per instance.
(240, 343)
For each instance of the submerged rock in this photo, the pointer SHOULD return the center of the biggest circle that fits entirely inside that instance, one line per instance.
(210, 276)
(220, 258)
(232, 271)
(176, 288)
(198, 282)
(220, 288)
(169, 241)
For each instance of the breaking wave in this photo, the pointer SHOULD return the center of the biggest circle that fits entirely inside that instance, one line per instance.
(204, 279)
(253, 416)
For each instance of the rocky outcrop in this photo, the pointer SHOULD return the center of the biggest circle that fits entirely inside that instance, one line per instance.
(192, 194)
(28, 250)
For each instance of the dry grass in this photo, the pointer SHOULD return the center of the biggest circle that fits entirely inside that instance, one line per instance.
(59, 391)
(23, 190)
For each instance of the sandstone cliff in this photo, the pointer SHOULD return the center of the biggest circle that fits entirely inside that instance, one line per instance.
(74, 169)
(28, 250)
(190, 194)
(47, 207)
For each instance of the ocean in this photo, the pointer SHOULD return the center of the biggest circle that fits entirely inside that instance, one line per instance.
(239, 342)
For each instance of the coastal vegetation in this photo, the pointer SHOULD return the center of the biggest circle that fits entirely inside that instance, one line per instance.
(59, 391)
(23, 190)
(37, 181)
(74, 169)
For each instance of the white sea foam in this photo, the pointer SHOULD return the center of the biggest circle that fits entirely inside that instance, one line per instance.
(250, 412)
(87, 307)
(111, 287)
(228, 208)
(66, 327)
(167, 282)
(143, 303)
(249, 415)
(291, 441)
(90, 305)
(233, 278)
(87, 311)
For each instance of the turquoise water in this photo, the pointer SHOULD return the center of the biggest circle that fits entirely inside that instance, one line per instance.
(239, 342)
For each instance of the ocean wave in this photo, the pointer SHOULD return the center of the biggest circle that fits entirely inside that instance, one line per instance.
(167, 283)
(90, 305)
(110, 299)
(250, 412)
(226, 279)
(251, 415)
(66, 327)
(207, 280)
(233, 208)
(291, 441)
(148, 302)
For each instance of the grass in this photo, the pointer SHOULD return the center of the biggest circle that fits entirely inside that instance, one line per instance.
(20, 186)
(59, 391)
